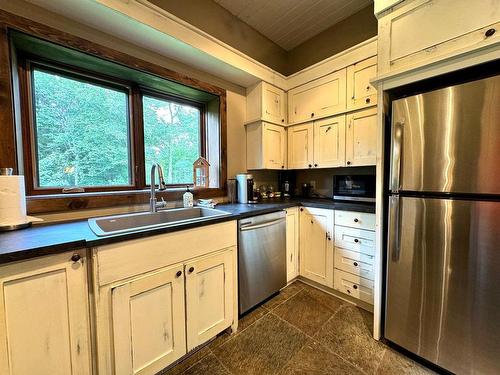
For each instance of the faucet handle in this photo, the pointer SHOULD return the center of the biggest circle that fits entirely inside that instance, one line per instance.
(161, 204)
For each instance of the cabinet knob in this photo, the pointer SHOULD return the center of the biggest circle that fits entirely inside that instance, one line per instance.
(355, 286)
(282, 120)
(315, 165)
(76, 258)
(312, 114)
(367, 88)
(355, 264)
(367, 100)
(178, 274)
(489, 32)
(301, 209)
(282, 167)
(348, 163)
(310, 165)
(191, 269)
(356, 240)
(356, 220)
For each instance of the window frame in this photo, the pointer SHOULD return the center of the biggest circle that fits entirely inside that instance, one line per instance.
(135, 93)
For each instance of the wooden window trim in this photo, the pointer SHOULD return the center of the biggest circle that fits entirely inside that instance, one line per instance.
(8, 149)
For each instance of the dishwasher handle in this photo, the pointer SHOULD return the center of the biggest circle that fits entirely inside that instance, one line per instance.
(262, 225)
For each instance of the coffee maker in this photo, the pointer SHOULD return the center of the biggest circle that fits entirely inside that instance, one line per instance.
(245, 188)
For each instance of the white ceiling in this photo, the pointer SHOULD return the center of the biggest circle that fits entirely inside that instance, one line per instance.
(288, 23)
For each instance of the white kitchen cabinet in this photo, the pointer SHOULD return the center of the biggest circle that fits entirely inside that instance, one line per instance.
(151, 309)
(209, 296)
(320, 98)
(329, 142)
(300, 146)
(292, 243)
(316, 245)
(266, 146)
(266, 103)
(148, 321)
(418, 33)
(44, 316)
(360, 93)
(361, 138)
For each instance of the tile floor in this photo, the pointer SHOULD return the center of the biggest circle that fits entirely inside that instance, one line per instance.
(300, 331)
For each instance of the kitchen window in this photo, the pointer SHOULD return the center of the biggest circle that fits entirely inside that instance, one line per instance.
(91, 133)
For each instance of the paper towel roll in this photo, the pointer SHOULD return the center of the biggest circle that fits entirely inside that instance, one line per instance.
(12, 201)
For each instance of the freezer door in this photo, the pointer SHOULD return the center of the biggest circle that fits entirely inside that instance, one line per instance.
(443, 282)
(448, 140)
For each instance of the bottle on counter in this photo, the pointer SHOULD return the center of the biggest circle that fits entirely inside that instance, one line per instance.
(187, 198)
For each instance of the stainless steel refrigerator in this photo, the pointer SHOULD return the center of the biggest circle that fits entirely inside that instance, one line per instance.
(443, 260)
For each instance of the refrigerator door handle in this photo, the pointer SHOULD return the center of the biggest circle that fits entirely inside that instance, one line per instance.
(397, 145)
(394, 228)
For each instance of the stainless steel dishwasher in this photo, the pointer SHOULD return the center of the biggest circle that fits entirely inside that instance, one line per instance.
(261, 258)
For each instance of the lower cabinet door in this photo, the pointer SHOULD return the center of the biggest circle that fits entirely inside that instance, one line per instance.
(316, 245)
(209, 296)
(44, 316)
(148, 318)
(292, 243)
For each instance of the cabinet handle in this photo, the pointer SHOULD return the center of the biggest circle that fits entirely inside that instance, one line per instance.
(355, 287)
(348, 163)
(489, 32)
(282, 120)
(191, 269)
(301, 209)
(310, 165)
(328, 236)
(312, 114)
(367, 100)
(178, 274)
(76, 258)
(355, 264)
(282, 167)
(356, 220)
(315, 165)
(367, 88)
(329, 128)
(356, 240)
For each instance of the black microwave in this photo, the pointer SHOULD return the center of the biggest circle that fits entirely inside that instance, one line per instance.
(359, 188)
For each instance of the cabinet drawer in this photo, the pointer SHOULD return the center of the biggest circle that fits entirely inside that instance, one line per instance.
(356, 263)
(353, 219)
(122, 260)
(355, 286)
(358, 240)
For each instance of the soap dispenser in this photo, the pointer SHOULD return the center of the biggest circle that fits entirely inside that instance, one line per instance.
(187, 198)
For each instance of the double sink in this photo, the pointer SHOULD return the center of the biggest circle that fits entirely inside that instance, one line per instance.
(119, 224)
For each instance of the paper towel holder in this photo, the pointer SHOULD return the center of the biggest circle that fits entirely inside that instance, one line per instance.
(6, 228)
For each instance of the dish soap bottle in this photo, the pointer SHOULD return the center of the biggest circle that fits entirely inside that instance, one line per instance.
(187, 198)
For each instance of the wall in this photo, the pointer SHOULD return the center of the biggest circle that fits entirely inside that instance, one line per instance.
(236, 101)
(347, 33)
(220, 23)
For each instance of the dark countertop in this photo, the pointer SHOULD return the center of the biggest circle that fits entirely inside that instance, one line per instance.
(56, 238)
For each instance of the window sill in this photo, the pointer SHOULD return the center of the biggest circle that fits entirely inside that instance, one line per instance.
(37, 204)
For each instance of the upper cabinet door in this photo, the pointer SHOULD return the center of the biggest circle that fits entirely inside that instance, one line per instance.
(360, 93)
(320, 98)
(316, 245)
(300, 146)
(361, 138)
(329, 142)
(266, 103)
(148, 320)
(209, 296)
(273, 104)
(274, 139)
(44, 317)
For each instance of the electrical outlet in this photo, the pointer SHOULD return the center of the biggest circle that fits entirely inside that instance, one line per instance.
(313, 184)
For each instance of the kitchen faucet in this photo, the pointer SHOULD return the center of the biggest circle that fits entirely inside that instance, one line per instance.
(153, 203)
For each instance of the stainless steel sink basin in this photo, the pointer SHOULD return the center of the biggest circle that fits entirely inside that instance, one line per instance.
(109, 225)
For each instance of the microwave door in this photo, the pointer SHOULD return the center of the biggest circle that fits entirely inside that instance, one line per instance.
(447, 140)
